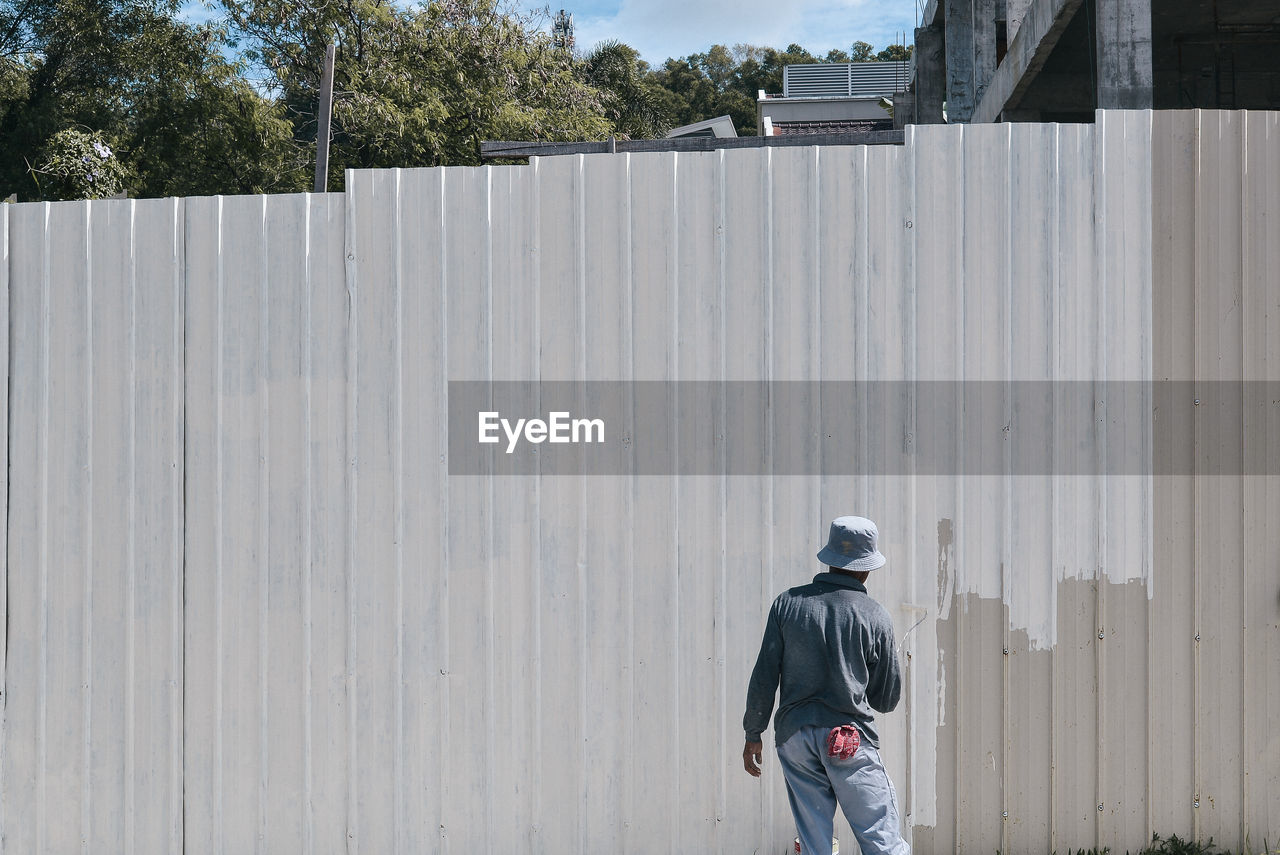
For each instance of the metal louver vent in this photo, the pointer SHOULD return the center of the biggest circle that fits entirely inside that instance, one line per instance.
(844, 79)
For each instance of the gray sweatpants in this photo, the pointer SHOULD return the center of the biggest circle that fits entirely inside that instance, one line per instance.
(816, 783)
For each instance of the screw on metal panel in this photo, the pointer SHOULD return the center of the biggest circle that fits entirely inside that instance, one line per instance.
(1099, 807)
(1006, 651)
(1196, 803)
(1101, 633)
(908, 224)
(1197, 402)
(1006, 814)
(1197, 636)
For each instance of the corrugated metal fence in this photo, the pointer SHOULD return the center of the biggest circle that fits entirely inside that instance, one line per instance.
(248, 609)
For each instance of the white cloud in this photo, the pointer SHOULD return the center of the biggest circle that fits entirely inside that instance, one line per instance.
(664, 28)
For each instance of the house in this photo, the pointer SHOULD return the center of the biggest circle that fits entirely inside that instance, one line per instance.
(832, 97)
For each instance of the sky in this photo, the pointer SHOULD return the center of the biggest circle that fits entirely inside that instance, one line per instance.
(673, 28)
(660, 29)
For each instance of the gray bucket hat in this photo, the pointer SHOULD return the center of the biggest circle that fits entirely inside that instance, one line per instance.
(852, 545)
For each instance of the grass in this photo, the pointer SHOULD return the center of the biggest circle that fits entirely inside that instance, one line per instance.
(1175, 845)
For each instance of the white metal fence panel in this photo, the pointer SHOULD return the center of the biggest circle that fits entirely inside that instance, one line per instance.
(255, 605)
(93, 716)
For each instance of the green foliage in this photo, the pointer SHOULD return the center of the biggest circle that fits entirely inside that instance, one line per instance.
(895, 53)
(761, 68)
(181, 118)
(633, 103)
(1171, 845)
(416, 85)
(79, 165)
(1175, 845)
(216, 134)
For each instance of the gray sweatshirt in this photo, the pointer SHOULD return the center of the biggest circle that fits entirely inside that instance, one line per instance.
(833, 648)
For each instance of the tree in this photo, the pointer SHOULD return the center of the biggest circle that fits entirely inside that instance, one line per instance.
(216, 134)
(632, 102)
(703, 86)
(719, 65)
(862, 52)
(895, 53)
(133, 76)
(416, 85)
(692, 94)
(761, 68)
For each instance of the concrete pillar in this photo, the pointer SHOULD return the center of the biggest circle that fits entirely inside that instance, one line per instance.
(904, 109)
(971, 54)
(958, 20)
(1124, 54)
(985, 14)
(931, 76)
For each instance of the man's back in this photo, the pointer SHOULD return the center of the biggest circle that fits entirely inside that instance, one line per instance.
(831, 646)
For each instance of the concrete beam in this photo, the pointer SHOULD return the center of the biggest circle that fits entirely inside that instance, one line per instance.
(1042, 26)
(1055, 92)
(1124, 54)
(931, 76)
(931, 17)
(1015, 11)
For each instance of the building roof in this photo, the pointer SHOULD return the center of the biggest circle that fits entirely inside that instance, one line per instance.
(514, 149)
(830, 126)
(720, 126)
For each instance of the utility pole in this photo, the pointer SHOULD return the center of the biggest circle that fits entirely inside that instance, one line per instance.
(326, 117)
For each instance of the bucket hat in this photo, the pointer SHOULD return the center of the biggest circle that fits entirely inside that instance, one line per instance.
(852, 545)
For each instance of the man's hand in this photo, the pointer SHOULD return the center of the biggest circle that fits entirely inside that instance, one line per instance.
(751, 758)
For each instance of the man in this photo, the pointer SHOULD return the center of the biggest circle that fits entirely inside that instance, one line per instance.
(833, 648)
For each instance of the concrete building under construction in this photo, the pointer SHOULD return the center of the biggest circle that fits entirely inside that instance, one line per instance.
(1060, 60)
